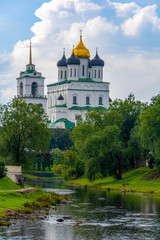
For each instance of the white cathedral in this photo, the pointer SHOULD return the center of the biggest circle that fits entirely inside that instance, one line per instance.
(80, 87)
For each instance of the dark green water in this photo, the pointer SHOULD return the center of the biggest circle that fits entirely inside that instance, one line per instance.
(119, 216)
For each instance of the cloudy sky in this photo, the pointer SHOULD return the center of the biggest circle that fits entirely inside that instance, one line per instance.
(127, 34)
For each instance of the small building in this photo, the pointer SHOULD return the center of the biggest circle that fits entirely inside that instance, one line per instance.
(80, 87)
(30, 85)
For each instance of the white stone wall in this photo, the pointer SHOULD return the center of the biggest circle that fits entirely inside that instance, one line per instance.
(81, 90)
(61, 77)
(42, 101)
(83, 61)
(27, 85)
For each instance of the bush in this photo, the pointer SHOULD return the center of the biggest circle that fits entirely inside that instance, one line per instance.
(3, 169)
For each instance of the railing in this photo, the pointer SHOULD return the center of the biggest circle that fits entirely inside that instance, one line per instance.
(31, 96)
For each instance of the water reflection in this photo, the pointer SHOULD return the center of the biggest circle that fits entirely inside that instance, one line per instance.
(118, 216)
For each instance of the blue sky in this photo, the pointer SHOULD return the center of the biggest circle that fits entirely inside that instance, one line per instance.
(127, 34)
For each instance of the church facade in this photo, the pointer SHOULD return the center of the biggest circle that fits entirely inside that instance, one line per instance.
(30, 85)
(80, 87)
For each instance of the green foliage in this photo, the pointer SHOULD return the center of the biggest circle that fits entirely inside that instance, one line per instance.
(57, 156)
(3, 169)
(130, 109)
(68, 166)
(150, 129)
(60, 139)
(24, 131)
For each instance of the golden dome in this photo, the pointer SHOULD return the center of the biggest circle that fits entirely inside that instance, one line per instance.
(81, 51)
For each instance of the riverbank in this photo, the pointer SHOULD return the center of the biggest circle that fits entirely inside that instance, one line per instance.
(33, 177)
(17, 203)
(142, 180)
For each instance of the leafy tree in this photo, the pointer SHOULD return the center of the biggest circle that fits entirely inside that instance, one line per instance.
(68, 166)
(24, 130)
(150, 129)
(60, 138)
(130, 109)
(98, 140)
(3, 169)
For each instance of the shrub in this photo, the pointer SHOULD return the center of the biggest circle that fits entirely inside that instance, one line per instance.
(3, 169)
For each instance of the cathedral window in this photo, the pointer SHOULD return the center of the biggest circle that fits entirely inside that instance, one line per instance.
(89, 75)
(71, 72)
(76, 117)
(34, 89)
(83, 68)
(74, 100)
(40, 104)
(65, 74)
(61, 74)
(94, 73)
(87, 101)
(75, 72)
(21, 89)
(100, 101)
(99, 73)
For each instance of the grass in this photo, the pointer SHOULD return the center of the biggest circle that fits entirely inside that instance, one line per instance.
(7, 184)
(143, 180)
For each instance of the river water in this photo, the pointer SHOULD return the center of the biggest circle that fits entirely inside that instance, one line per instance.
(119, 216)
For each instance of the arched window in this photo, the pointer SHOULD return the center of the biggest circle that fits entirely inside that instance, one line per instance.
(65, 75)
(89, 75)
(21, 89)
(41, 105)
(99, 73)
(87, 100)
(61, 74)
(83, 70)
(71, 72)
(50, 101)
(100, 101)
(76, 117)
(75, 72)
(34, 89)
(74, 100)
(94, 73)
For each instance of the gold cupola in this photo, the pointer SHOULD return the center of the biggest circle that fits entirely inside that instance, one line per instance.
(81, 51)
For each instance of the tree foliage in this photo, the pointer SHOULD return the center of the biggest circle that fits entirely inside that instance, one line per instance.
(150, 129)
(60, 139)
(3, 169)
(24, 131)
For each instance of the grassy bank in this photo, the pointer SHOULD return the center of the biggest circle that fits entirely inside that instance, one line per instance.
(7, 184)
(143, 180)
(23, 203)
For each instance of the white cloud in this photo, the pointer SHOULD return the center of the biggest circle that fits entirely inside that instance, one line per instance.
(136, 73)
(7, 94)
(59, 26)
(142, 18)
(124, 9)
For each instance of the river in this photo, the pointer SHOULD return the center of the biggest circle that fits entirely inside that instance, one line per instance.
(117, 217)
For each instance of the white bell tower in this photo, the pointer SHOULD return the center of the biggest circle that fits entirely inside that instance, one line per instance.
(30, 85)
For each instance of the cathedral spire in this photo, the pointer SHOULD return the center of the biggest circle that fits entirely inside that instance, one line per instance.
(30, 54)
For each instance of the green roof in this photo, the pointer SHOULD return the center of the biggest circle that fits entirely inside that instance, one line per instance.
(86, 108)
(80, 80)
(64, 105)
(68, 124)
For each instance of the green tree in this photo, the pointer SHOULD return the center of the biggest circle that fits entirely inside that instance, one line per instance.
(60, 138)
(3, 169)
(98, 140)
(150, 129)
(24, 131)
(130, 110)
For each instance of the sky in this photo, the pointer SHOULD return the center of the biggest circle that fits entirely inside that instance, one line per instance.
(126, 33)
